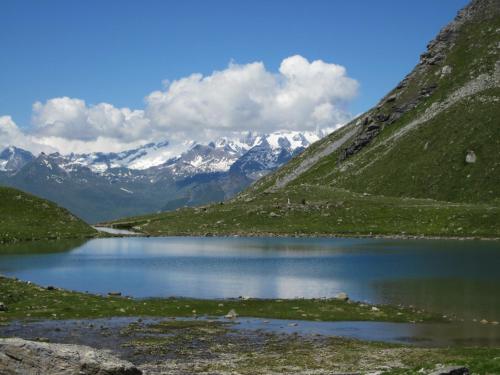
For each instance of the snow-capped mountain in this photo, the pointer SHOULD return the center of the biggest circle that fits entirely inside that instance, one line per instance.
(144, 157)
(13, 158)
(157, 176)
(185, 159)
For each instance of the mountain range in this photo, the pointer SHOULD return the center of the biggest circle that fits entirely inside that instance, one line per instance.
(154, 177)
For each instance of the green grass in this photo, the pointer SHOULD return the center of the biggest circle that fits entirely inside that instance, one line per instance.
(327, 211)
(429, 162)
(24, 217)
(29, 301)
(434, 166)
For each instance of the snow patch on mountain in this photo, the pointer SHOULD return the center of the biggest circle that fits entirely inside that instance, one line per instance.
(13, 158)
(262, 151)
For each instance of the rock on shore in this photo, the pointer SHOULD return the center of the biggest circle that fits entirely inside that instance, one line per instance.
(18, 356)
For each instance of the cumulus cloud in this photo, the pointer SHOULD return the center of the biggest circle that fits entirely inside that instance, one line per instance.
(72, 119)
(302, 95)
(10, 134)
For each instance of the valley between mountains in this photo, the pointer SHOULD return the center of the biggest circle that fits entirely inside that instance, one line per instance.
(155, 177)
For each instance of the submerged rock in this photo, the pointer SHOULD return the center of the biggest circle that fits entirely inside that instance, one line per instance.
(451, 370)
(18, 356)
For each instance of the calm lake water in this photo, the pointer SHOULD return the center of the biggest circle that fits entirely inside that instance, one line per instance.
(460, 277)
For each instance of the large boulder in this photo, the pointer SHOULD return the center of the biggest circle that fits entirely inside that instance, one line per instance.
(22, 357)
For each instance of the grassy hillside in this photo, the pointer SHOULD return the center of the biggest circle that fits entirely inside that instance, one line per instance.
(326, 211)
(26, 217)
(425, 161)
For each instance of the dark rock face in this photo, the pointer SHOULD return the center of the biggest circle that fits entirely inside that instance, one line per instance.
(22, 357)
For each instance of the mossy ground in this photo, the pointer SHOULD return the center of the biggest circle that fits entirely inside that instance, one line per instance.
(214, 347)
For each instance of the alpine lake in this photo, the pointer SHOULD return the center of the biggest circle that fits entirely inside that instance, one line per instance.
(451, 277)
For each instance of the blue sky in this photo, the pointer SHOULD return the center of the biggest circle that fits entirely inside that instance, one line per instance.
(119, 52)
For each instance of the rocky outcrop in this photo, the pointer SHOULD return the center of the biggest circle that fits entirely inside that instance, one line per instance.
(22, 357)
(375, 120)
(420, 84)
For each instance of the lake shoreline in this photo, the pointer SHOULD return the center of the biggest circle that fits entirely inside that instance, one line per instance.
(164, 339)
(18, 297)
(161, 346)
(300, 235)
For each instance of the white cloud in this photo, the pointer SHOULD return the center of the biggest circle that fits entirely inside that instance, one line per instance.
(72, 119)
(302, 95)
(11, 135)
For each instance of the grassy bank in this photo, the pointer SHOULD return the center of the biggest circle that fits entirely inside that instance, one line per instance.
(28, 301)
(325, 210)
(25, 217)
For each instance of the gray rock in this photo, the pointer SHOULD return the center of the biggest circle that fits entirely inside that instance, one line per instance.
(342, 296)
(451, 370)
(231, 314)
(445, 70)
(470, 157)
(22, 357)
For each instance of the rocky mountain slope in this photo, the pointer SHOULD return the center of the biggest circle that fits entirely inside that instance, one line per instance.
(158, 176)
(26, 217)
(424, 161)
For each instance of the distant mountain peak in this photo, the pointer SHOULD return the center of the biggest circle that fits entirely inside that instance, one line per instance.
(13, 158)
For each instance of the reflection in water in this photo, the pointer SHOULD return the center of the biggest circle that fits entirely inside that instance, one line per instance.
(40, 247)
(432, 335)
(470, 297)
(457, 277)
